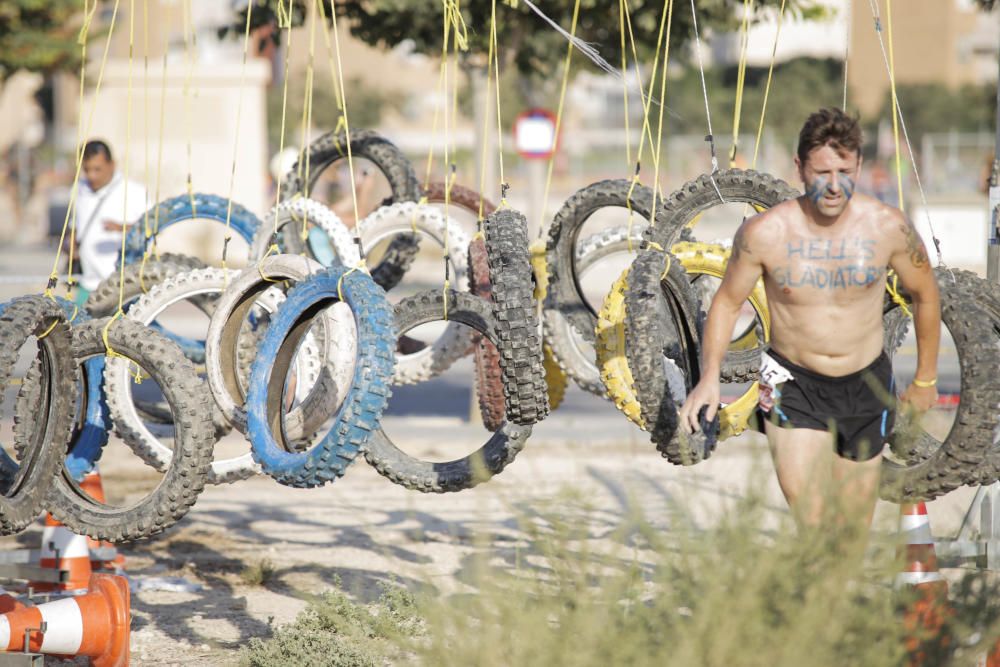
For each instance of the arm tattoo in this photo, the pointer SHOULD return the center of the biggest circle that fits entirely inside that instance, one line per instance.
(740, 244)
(914, 245)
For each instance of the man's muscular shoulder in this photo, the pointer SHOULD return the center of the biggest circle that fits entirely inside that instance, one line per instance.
(761, 232)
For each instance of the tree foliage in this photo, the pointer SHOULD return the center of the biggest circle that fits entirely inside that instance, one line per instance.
(39, 35)
(526, 41)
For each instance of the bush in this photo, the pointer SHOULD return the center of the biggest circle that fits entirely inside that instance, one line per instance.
(746, 592)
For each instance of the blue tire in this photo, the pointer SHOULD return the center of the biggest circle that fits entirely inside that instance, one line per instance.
(361, 410)
(88, 439)
(187, 207)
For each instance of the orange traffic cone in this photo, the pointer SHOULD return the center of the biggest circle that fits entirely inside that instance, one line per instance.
(91, 484)
(8, 602)
(95, 625)
(62, 549)
(925, 616)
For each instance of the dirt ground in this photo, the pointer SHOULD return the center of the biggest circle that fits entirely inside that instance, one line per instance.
(364, 530)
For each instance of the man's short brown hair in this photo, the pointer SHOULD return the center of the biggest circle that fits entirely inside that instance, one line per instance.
(829, 127)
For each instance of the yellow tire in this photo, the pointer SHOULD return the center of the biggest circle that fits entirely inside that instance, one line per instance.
(610, 346)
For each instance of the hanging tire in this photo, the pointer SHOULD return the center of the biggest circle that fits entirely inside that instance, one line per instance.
(520, 343)
(463, 197)
(565, 295)
(576, 362)
(930, 467)
(198, 206)
(488, 376)
(684, 205)
(103, 301)
(555, 380)
(331, 148)
(247, 291)
(662, 331)
(90, 432)
(131, 428)
(742, 360)
(455, 342)
(610, 346)
(193, 440)
(360, 410)
(987, 293)
(26, 483)
(480, 465)
(283, 225)
(139, 279)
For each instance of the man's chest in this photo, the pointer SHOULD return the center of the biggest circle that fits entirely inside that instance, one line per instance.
(840, 269)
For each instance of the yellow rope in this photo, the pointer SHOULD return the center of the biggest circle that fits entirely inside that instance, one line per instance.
(647, 101)
(152, 248)
(741, 79)
(128, 151)
(307, 94)
(895, 105)
(659, 129)
(666, 268)
(343, 106)
(71, 209)
(190, 45)
(893, 288)
(767, 88)
(236, 142)
(486, 117)
(628, 134)
(647, 131)
(496, 65)
(559, 113)
(287, 27)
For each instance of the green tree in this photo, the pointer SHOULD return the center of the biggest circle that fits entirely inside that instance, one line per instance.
(531, 45)
(526, 41)
(39, 35)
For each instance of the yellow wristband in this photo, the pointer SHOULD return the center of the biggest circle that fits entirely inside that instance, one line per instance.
(925, 383)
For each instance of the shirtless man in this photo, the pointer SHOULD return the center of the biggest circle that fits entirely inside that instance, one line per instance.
(825, 381)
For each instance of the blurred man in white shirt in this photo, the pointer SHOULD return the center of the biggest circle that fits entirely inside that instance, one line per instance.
(103, 211)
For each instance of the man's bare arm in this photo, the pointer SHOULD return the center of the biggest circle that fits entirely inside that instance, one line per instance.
(742, 273)
(910, 262)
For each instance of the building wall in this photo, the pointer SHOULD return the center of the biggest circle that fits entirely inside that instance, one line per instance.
(944, 41)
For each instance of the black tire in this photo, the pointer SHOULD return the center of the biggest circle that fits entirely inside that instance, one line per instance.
(25, 484)
(476, 467)
(193, 440)
(103, 301)
(663, 319)
(139, 279)
(702, 260)
(518, 337)
(396, 168)
(931, 468)
(565, 294)
(987, 293)
(700, 194)
(460, 196)
(488, 376)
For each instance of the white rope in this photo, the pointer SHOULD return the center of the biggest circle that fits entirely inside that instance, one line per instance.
(590, 51)
(708, 112)
(583, 47)
(906, 134)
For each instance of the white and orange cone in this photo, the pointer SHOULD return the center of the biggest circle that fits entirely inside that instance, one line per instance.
(96, 625)
(92, 485)
(62, 549)
(925, 617)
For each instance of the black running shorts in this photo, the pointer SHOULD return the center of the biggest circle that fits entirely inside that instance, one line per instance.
(858, 409)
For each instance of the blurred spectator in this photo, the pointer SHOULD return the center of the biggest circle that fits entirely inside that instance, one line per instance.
(101, 214)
